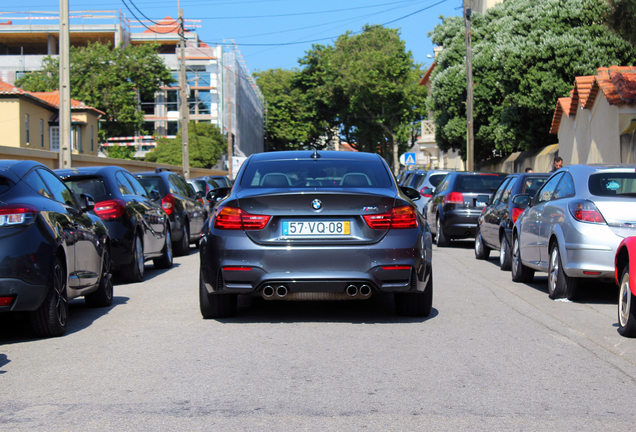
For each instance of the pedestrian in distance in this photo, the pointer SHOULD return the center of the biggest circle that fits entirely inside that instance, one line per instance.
(529, 170)
(558, 163)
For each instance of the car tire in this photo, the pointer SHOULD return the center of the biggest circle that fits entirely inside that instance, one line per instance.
(216, 305)
(50, 319)
(520, 273)
(415, 304)
(626, 316)
(560, 285)
(482, 252)
(505, 257)
(134, 272)
(182, 247)
(440, 238)
(103, 297)
(166, 259)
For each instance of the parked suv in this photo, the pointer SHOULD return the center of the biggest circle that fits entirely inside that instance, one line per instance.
(454, 208)
(494, 229)
(181, 204)
(138, 226)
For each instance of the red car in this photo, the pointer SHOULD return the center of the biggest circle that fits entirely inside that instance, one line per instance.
(625, 274)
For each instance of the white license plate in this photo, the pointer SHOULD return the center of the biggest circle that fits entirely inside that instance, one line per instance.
(310, 228)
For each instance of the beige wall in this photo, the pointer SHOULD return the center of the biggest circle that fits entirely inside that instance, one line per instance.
(540, 160)
(482, 5)
(90, 119)
(10, 119)
(35, 113)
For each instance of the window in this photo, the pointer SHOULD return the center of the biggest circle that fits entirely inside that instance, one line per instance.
(173, 127)
(36, 182)
(124, 185)
(171, 100)
(54, 136)
(76, 138)
(612, 184)
(92, 137)
(41, 133)
(546, 192)
(565, 188)
(60, 192)
(26, 125)
(139, 189)
(478, 182)
(505, 198)
(497, 196)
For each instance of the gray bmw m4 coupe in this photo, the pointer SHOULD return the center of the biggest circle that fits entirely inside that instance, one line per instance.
(316, 225)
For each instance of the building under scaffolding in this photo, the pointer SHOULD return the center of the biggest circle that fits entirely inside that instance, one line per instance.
(219, 84)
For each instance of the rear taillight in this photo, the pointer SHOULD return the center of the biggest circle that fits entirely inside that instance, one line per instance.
(454, 198)
(397, 218)
(425, 195)
(516, 212)
(111, 209)
(167, 203)
(6, 301)
(585, 211)
(232, 218)
(17, 214)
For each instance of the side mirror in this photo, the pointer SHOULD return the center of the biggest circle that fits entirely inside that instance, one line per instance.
(87, 202)
(483, 200)
(522, 200)
(411, 193)
(427, 192)
(200, 194)
(218, 194)
(154, 195)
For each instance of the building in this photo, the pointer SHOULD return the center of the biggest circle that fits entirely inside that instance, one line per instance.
(481, 6)
(221, 90)
(597, 122)
(30, 120)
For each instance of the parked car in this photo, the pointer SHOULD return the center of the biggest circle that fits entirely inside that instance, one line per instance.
(426, 184)
(625, 274)
(186, 214)
(52, 247)
(220, 184)
(454, 208)
(494, 227)
(138, 226)
(573, 226)
(309, 225)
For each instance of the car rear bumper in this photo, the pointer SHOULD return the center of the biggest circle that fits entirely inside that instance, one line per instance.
(236, 264)
(27, 297)
(461, 223)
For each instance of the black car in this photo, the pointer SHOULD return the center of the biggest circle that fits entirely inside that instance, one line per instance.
(458, 200)
(182, 205)
(220, 184)
(497, 219)
(138, 226)
(52, 247)
(309, 225)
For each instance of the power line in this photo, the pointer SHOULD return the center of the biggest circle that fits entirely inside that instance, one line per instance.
(143, 15)
(137, 18)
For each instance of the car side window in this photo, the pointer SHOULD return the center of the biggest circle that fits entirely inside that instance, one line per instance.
(61, 193)
(565, 188)
(187, 189)
(442, 187)
(497, 196)
(546, 192)
(35, 181)
(138, 188)
(174, 185)
(123, 184)
(505, 197)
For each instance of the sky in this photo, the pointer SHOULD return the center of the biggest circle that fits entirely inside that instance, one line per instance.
(270, 33)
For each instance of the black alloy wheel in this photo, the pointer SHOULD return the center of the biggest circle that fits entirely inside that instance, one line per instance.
(520, 272)
(103, 297)
(134, 272)
(166, 259)
(50, 319)
(482, 252)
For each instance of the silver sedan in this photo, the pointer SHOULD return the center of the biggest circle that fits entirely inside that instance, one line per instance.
(573, 226)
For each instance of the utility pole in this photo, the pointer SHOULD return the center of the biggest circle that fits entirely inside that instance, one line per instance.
(64, 116)
(470, 141)
(230, 141)
(183, 95)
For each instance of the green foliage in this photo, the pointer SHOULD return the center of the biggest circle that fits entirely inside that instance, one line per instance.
(206, 144)
(526, 54)
(622, 18)
(291, 117)
(109, 80)
(121, 152)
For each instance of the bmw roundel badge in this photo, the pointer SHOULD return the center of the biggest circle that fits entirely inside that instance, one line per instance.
(316, 204)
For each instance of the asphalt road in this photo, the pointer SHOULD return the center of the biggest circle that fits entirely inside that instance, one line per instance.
(493, 355)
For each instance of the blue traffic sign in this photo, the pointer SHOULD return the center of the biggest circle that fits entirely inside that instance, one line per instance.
(409, 159)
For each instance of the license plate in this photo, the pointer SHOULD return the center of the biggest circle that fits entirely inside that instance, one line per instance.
(309, 228)
(481, 204)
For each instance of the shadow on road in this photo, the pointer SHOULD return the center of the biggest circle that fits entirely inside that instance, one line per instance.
(16, 327)
(590, 291)
(376, 310)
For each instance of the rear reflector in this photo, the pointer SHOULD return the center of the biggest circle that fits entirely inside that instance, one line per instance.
(398, 218)
(591, 273)
(111, 209)
(232, 218)
(237, 268)
(17, 214)
(396, 268)
(6, 301)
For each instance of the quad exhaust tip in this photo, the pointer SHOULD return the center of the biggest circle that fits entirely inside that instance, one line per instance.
(365, 290)
(281, 291)
(268, 291)
(352, 290)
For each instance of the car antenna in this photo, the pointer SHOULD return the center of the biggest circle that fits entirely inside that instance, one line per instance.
(315, 154)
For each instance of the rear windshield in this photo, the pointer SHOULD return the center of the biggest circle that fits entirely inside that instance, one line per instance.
(434, 179)
(479, 183)
(613, 184)
(313, 174)
(219, 182)
(152, 183)
(5, 185)
(92, 186)
(532, 185)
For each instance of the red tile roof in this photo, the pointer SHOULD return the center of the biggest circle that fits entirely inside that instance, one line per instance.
(617, 83)
(165, 26)
(427, 75)
(49, 98)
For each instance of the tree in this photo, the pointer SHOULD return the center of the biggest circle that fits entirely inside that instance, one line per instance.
(117, 151)
(292, 120)
(526, 54)
(206, 144)
(109, 79)
(621, 18)
(366, 86)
